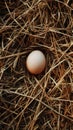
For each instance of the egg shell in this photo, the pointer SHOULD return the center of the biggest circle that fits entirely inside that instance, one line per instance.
(36, 62)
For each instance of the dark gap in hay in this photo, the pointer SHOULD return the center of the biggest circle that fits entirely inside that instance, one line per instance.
(66, 65)
(2, 110)
(48, 39)
(3, 10)
(63, 40)
(1, 126)
(8, 83)
(70, 2)
(49, 86)
(40, 121)
(71, 49)
(67, 79)
(58, 36)
(0, 41)
(16, 83)
(72, 13)
(45, 119)
(9, 98)
(54, 75)
(13, 46)
(33, 105)
(26, 41)
(8, 72)
(56, 93)
(71, 96)
(66, 22)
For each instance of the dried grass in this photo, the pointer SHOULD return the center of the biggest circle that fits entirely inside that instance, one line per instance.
(36, 102)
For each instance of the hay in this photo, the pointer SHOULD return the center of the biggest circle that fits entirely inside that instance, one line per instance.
(44, 101)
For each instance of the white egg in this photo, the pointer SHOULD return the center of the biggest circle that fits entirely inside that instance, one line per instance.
(36, 62)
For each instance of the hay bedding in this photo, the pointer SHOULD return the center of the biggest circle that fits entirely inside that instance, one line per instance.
(44, 101)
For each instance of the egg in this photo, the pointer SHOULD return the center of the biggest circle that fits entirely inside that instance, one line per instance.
(36, 62)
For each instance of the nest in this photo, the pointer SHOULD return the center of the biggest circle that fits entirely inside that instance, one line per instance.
(44, 101)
